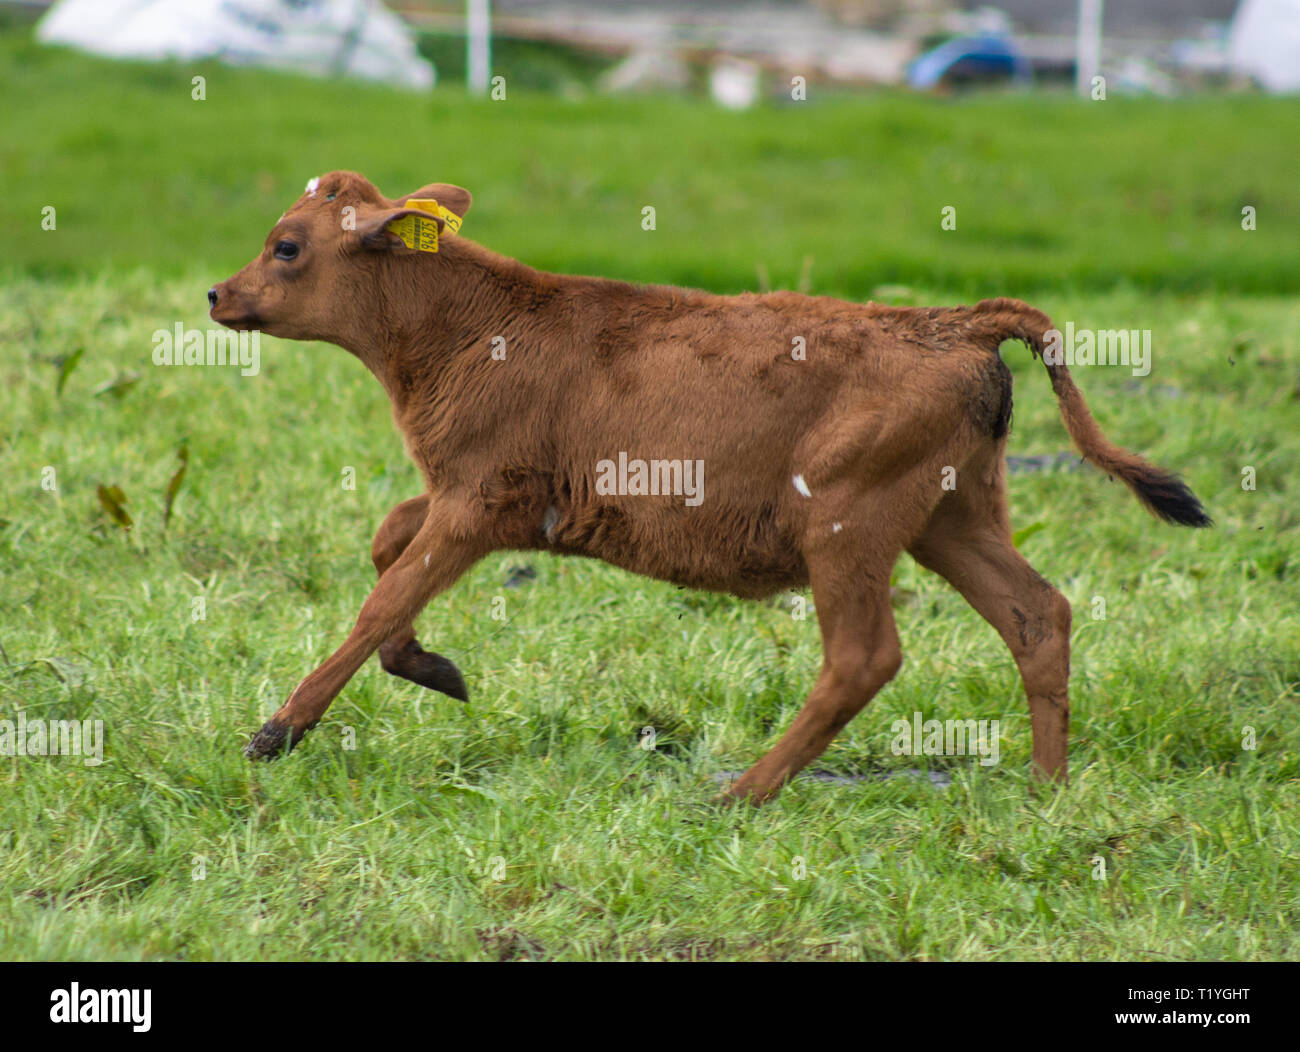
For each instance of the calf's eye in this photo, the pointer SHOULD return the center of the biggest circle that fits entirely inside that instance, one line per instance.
(286, 250)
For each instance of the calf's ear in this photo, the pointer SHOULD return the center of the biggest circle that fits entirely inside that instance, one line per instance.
(457, 198)
(375, 230)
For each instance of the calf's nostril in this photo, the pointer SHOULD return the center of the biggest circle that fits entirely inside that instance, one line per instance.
(212, 297)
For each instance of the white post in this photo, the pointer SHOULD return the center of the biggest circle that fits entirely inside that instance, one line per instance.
(478, 46)
(1087, 45)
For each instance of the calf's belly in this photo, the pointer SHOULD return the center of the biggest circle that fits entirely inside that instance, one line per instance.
(745, 552)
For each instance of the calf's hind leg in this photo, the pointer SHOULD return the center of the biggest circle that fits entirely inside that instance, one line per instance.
(968, 542)
(400, 654)
(861, 653)
(849, 555)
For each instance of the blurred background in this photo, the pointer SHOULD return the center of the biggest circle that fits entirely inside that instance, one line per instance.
(730, 46)
(800, 143)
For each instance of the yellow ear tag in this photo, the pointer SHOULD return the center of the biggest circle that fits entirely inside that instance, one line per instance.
(428, 204)
(419, 233)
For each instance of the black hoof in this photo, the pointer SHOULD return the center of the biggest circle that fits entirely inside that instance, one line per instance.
(430, 670)
(271, 742)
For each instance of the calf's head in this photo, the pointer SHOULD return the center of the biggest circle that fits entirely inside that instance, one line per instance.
(321, 274)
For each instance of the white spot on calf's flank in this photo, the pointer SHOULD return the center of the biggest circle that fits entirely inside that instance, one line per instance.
(801, 485)
(426, 558)
(312, 185)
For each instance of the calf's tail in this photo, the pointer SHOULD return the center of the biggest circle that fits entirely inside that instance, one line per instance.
(1163, 492)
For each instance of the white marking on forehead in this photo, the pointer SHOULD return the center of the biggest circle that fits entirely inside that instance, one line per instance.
(801, 485)
(836, 528)
(312, 185)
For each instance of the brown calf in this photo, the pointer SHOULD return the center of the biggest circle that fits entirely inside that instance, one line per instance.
(825, 429)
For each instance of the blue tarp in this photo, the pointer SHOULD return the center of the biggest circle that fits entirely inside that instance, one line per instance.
(981, 56)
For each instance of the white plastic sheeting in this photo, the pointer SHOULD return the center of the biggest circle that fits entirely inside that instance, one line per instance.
(359, 38)
(1265, 43)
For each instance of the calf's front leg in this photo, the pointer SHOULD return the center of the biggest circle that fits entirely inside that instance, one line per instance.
(400, 654)
(431, 563)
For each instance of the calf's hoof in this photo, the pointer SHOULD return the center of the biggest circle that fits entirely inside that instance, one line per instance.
(426, 668)
(272, 741)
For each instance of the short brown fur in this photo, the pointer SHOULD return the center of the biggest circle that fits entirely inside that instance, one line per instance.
(886, 400)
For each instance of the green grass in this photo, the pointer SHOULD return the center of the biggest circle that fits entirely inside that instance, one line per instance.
(532, 65)
(528, 823)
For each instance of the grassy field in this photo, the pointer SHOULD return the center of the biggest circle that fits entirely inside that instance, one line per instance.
(528, 823)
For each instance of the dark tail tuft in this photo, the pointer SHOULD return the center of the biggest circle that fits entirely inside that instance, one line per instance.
(1169, 497)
